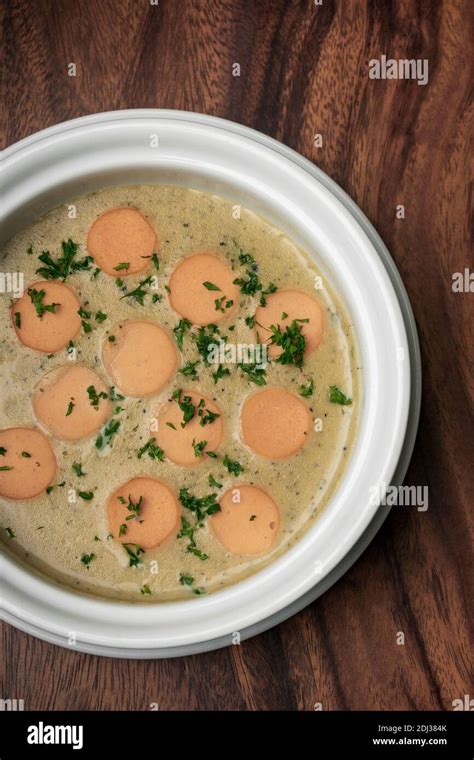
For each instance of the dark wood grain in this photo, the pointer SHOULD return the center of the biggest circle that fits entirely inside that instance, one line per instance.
(304, 69)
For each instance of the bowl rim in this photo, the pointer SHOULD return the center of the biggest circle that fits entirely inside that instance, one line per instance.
(11, 153)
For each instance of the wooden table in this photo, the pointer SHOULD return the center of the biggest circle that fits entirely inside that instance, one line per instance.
(304, 70)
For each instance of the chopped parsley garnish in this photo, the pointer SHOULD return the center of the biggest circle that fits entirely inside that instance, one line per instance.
(3, 451)
(17, 319)
(336, 396)
(189, 369)
(26, 454)
(84, 313)
(213, 482)
(5, 467)
(201, 506)
(58, 485)
(170, 425)
(188, 580)
(291, 340)
(179, 331)
(133, 507)
(77, 467)
(206, 338)
(37, 301)
(139, 293)
(233, 466)
(207, 417)
(29, 250)
(307, 390)
(111, 338)
(267, 292)
(114, 396)
(100, 316)
(155, 261)
(250, 321)
(187, 531)
(249, 286)
(10, 533)
(223, 303)
(122, 265)
(186, 405)
(86, 495)
(70, 407)
(210, 285)
(95, 397)
(153, 451)
(145, 589)
(86, 559)
(252, 518)
(105, 438)
(198, 447)
(65, 264)
(247, 259)
(255, 374)
(220, 373)
(122, 529)
(133, 551)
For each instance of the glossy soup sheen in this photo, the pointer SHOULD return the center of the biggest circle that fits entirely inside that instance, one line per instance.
(68, 538)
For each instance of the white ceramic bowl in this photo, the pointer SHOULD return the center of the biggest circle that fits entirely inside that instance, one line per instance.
(214, 155)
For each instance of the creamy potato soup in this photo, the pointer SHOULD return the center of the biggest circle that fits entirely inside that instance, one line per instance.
(179, 393)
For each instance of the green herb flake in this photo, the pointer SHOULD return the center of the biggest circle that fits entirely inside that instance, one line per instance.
(201, 506)
(198, 447)
(307, 390)
(189, 370)
(86, 559)
(336, 396)
(36, 297)
(134, 551)
(254, 373)
(70, 407)
(86, 495)
(95, 397)
(187, 531)
(213, 482)
(65, 265)
(220, 373)
(232, 465)
(210, 285)
(153, 451)
(105, 438)
(180, 330)
(139, 293)
(292, 342)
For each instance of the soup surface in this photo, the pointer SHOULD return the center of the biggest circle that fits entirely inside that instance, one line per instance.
(179, 393)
